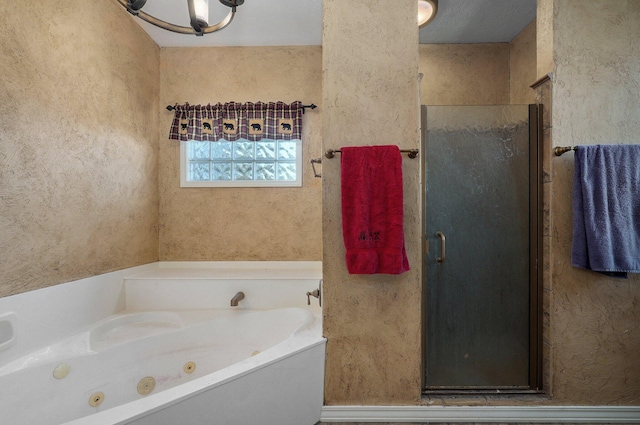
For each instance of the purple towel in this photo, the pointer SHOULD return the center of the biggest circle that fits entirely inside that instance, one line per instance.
(606, 209)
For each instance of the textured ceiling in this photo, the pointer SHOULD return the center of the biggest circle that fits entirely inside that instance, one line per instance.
(299, 22)
(478, 21)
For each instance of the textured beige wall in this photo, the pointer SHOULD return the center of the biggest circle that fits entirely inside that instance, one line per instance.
(240, 223)
(589, 344)
(544, 37)
(464, 74)
(596, 99)
(522, 66)
(370, 92)
(79, 192)
(479, 74)
(78, 155)
(373, 323)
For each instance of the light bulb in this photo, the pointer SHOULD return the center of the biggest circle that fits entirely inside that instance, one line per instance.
(202, 10)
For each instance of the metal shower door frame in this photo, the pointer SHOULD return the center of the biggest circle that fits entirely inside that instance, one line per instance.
(536, 265)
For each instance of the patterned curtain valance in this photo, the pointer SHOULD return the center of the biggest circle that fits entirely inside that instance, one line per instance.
(232, 121)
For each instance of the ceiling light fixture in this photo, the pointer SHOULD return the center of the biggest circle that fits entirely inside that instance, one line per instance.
(198, 14)
(427, 10)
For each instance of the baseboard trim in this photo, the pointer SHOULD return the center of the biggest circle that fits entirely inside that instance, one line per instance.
(483, 414)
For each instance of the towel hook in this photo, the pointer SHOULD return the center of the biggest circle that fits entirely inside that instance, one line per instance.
(315, 161)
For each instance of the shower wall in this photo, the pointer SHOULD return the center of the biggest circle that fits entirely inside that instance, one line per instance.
(522, 66)
(373, 323)
(590, 348)
(544, 37)
(464, 74)
(593, 319)
(589, 322)
(78, 143)
(240, 223)
(370, 91)
(480, 74)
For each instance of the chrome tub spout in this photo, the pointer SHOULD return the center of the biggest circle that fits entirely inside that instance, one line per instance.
(237, 298)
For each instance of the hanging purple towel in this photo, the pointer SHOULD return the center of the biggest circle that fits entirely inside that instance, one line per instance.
(606, 209)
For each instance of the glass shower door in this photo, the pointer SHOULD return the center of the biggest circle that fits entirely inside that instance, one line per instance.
(478, 247)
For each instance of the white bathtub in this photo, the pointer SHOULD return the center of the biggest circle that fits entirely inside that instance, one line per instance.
(167, 347)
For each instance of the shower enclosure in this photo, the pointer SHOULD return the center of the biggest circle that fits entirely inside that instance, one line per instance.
(482, 248)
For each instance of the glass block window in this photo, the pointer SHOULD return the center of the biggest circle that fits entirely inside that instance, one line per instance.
(241, 163)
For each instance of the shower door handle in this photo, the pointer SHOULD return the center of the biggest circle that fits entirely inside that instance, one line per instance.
(443, 253)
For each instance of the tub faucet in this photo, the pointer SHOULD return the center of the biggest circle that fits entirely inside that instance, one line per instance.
(316, 293)
(236, 298)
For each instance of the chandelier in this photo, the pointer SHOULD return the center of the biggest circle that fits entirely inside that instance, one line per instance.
(198, 15)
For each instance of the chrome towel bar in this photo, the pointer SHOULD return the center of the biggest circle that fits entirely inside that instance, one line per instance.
(413, 153)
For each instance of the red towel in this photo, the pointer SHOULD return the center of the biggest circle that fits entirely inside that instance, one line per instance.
(372, 210)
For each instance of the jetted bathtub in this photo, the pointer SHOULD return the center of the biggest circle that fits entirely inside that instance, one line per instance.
(160, 344)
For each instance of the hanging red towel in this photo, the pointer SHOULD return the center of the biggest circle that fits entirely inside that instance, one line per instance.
(372, 210)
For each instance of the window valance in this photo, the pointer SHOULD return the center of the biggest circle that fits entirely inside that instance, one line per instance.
(232, 121)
